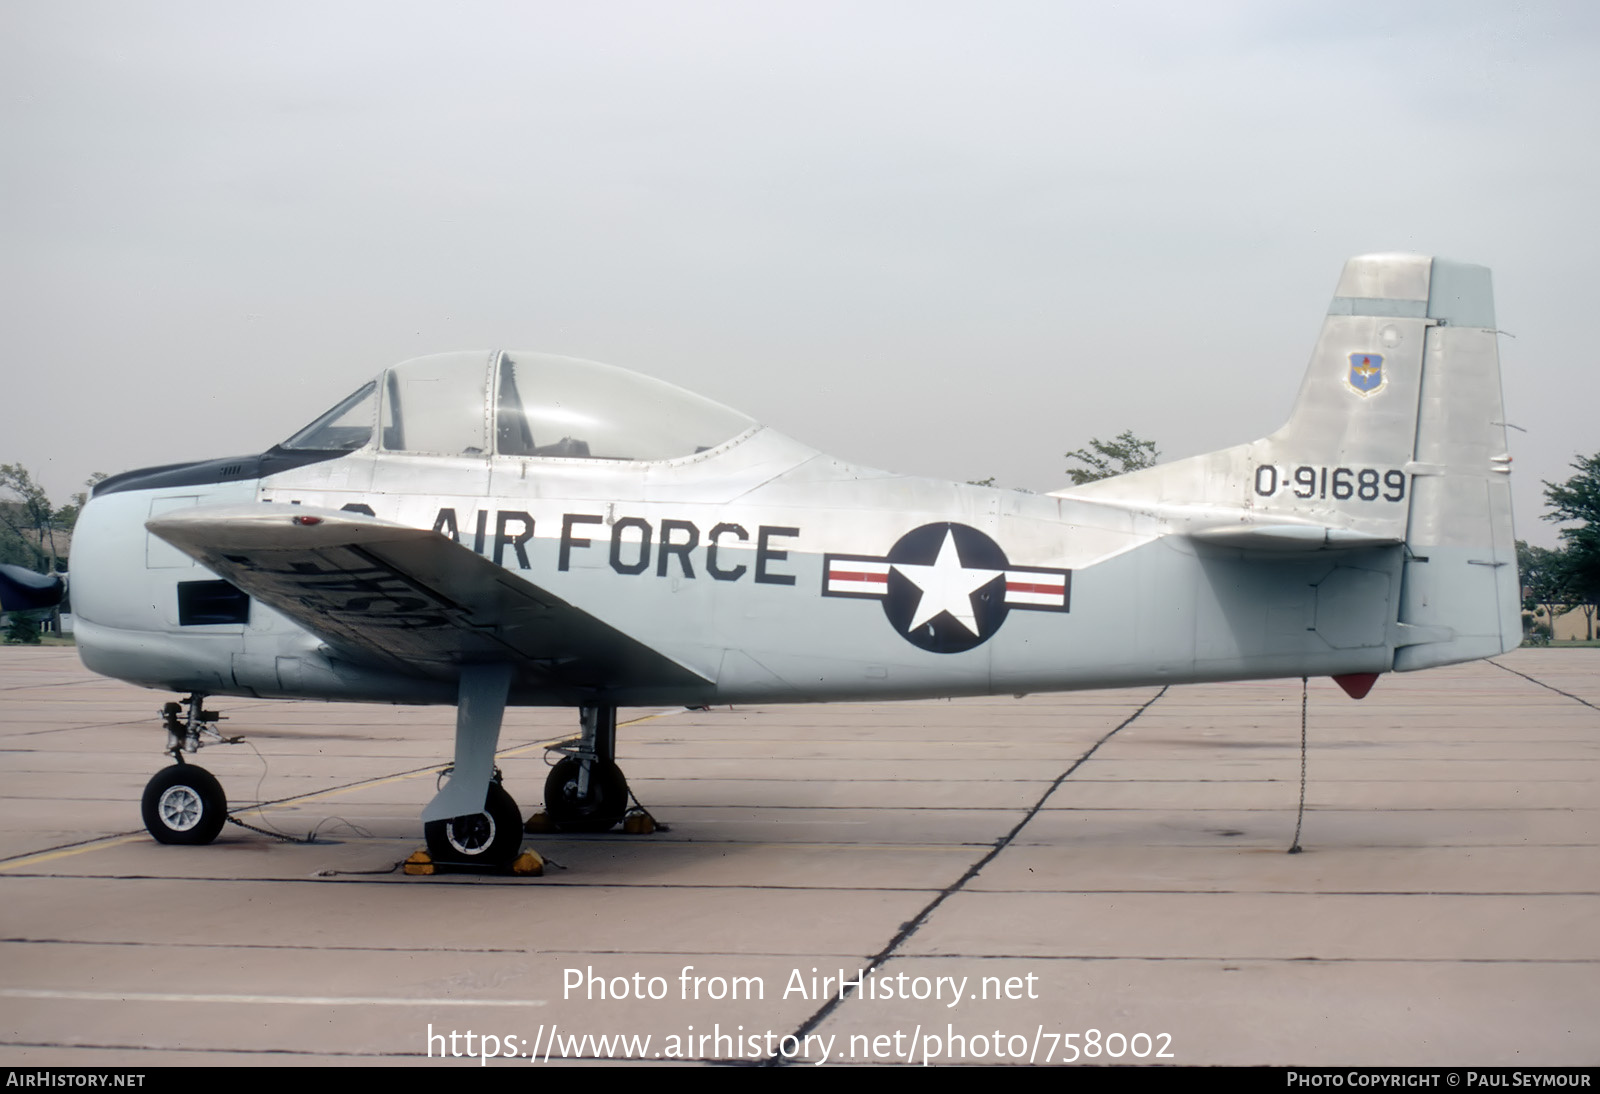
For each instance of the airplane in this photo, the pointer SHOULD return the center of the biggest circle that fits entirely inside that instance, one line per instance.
(23, 590)
(505, 528)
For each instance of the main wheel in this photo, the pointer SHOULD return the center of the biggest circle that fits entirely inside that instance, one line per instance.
(604, 806)
(184, 804)
(490, 838)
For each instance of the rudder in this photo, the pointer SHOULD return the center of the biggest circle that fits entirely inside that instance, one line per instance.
(1460, 586)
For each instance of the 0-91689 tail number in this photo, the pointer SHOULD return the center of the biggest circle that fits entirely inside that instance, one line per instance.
(1340, 483)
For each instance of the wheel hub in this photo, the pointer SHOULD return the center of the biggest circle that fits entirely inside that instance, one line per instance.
(470, 835)
(180, 808)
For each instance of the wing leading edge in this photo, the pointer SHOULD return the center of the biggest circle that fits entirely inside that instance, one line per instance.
(409, 598)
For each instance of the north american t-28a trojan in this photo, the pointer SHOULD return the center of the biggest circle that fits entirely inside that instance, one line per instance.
(493, 528)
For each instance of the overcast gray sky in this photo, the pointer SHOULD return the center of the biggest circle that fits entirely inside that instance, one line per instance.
(954, 239)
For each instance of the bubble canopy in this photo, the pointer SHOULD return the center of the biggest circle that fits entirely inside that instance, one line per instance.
(529, 405)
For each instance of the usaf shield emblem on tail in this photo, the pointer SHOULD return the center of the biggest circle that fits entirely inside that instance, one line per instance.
(1366, 373)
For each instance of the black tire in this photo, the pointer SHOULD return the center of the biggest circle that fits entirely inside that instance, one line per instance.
(490, 838)
(184, 804)
(600, 811)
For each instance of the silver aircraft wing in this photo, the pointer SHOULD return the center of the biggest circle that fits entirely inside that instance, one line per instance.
(408, 597)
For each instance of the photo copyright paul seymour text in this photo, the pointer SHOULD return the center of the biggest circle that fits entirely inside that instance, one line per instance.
(1474, 1080)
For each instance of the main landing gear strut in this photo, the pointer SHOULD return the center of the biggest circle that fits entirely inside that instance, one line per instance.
(184, 803)
(473, 820)
(585, 790)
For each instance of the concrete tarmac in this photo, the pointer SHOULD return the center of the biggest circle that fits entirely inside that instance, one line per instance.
(1099, 875)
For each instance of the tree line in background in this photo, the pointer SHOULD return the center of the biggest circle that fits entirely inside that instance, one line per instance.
(1568, 578)
(1118, 456)
(34, 534)
(1103, 459)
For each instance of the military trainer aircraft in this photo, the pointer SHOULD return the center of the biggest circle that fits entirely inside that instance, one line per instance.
(493, 528)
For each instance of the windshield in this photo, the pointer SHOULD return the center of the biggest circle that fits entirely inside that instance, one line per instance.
(345, 428)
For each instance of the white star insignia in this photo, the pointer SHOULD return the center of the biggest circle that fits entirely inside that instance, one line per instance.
(947, 586)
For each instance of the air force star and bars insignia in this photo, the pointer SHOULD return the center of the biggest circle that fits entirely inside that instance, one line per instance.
(946, 587)
(1366, 373)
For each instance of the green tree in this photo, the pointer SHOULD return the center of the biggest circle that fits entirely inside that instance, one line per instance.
(28, 519)
(1103, 459)
(22, 628)
(28, 515)
(1577, 501)
(14, 548)
(1544, 591)
(35, 534)
(66, 518)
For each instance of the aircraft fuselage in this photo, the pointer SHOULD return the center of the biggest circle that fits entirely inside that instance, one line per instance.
(771, 571)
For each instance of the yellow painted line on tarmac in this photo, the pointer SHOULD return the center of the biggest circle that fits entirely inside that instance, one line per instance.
(551, 744)
(518, 751)
(67, 852)
(336, 791)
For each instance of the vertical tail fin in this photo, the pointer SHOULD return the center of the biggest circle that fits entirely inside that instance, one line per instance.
(1397, 436)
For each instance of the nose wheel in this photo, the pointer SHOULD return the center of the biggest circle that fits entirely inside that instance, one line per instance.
(184, 803)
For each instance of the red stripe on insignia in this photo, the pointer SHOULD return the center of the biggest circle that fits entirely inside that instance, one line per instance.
(1024, 587)
(853, 575)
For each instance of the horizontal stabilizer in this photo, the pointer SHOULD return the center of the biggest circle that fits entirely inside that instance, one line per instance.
(1289, 537)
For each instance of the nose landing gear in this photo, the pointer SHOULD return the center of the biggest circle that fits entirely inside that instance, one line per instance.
(184, 803)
